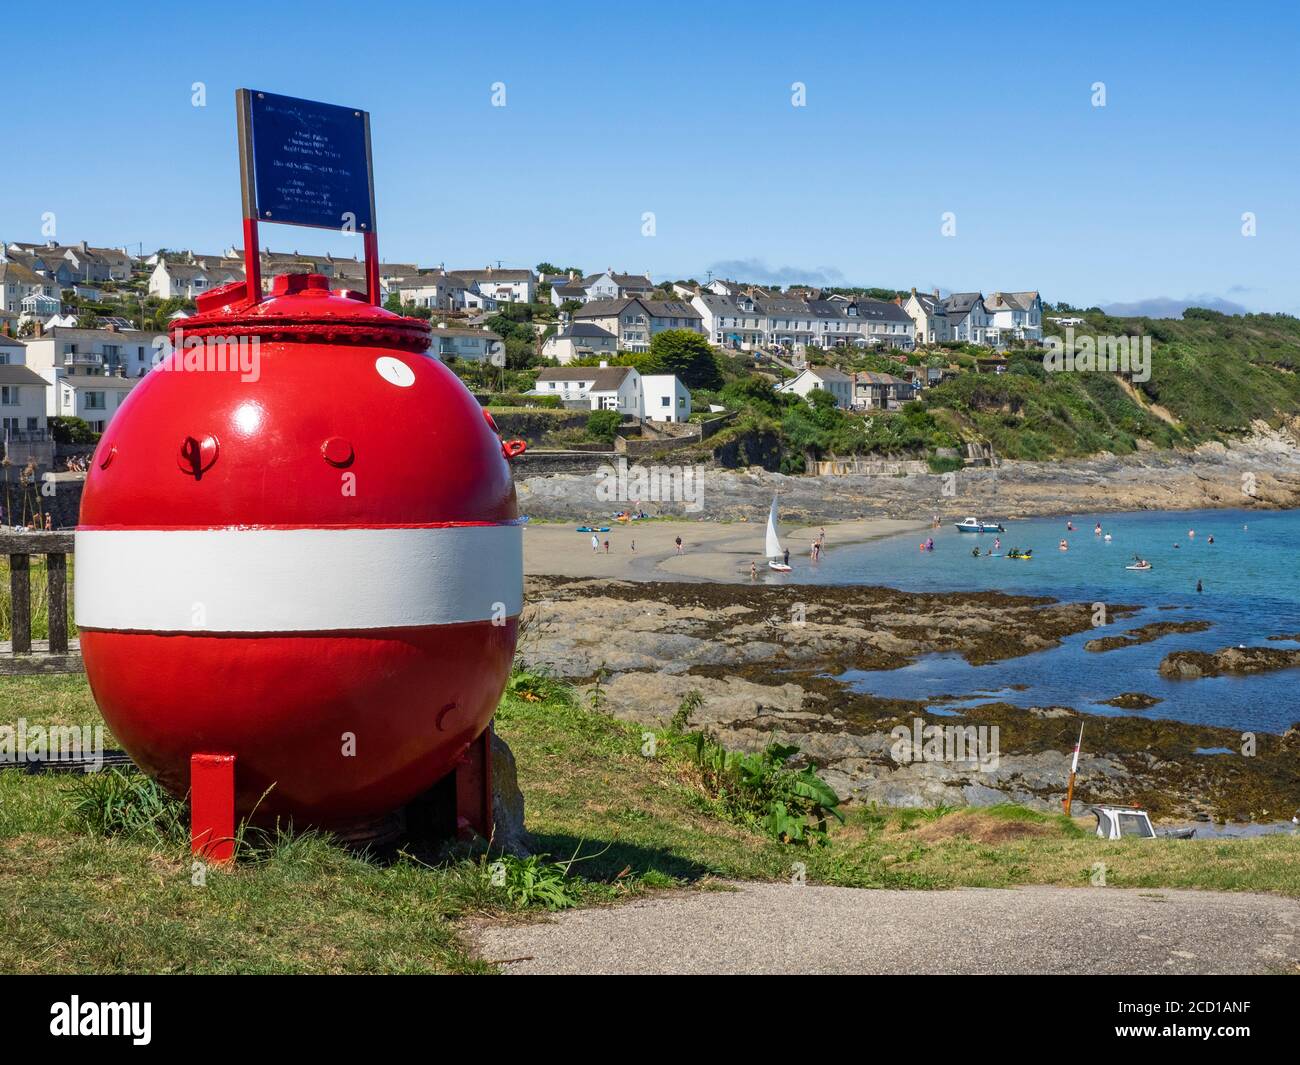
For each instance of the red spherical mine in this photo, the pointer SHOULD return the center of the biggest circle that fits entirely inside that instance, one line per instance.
(299, 545)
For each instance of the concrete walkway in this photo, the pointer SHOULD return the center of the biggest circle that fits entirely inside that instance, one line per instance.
(785, 928)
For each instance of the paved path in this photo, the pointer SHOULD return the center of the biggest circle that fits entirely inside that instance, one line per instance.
(783, 928)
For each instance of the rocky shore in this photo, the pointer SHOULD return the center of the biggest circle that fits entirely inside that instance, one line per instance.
(754, 665)
(1262, 471)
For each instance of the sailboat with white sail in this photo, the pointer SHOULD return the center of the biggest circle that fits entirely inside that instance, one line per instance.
(775, 552)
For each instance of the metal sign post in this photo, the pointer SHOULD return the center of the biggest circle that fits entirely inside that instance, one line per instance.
(304, 163)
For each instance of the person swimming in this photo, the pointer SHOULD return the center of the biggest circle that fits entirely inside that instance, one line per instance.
(1064, 545)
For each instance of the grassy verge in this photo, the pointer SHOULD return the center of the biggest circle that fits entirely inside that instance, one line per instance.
(76, 898)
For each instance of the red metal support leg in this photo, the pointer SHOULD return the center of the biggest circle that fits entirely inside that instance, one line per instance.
(474, 788)
(212, 806)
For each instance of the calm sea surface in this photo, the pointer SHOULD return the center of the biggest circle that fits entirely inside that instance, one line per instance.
(1251, 581)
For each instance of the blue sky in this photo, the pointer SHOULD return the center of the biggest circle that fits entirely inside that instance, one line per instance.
(684, 110)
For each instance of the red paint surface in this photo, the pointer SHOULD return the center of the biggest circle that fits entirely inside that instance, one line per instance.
(212, 806)
(421, 455)
(283, 704)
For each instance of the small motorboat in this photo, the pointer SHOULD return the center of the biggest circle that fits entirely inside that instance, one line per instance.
(973, 525)
(1121, 822)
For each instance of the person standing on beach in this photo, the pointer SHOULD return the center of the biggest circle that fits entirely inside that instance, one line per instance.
(607, 547)
(634, 547)
(678, 542)
(595, 542)
(753, 571)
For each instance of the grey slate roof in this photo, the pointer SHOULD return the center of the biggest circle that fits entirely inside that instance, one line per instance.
(603, 378)
(1020, 301)
(13, 374)
(959, 304)
(585, 329)
(880, 311)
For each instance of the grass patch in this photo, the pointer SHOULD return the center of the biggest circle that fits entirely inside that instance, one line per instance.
(95, 876)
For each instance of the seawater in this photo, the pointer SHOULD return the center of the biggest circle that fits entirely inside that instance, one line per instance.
(1250, 576)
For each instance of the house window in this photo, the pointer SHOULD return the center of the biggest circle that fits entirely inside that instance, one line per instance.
(665, 402)
(9, 395)
(95, 401)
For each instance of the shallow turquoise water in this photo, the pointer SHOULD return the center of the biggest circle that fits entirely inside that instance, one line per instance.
(1251, 581)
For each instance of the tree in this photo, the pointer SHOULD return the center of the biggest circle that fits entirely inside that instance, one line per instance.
(687, 355)
(603, 424)
(754, 393)
(547, 268)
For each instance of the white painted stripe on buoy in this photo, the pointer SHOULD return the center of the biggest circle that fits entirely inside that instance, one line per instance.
(296, 580)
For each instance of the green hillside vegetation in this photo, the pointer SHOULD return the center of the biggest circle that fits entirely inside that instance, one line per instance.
(1211, 376)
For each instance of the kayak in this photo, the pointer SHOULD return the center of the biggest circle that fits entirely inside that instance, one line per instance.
(588, 528)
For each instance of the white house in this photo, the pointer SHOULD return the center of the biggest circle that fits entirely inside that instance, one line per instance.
(789, 324)
(732, 322)
(576, 340)
(93, 399)
(1013, 316)
(22, 404)
(503, 286)
(929, 320)
(883, 323)
(600, 387)
(13, 352)
(967, 318)
(436, 289)
(465, 342)
(563, 292)
(17, 282)
(634, 322)
(838, 384)
(97, 353)
(665, 398)
(188, 280)
(612, 285)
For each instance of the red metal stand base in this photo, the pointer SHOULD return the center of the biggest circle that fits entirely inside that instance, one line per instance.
(212, 806)
(474, 788)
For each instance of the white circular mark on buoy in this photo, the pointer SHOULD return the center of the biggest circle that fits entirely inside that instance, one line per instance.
(395, 371)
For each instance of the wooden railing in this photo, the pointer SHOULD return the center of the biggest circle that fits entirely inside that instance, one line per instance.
(56, 656)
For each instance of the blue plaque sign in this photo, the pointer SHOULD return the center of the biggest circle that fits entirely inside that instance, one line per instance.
(310, 163)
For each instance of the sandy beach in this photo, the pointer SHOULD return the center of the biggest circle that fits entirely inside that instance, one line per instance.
(711, 551)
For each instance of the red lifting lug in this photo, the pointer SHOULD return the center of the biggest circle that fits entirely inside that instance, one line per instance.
(513, 448)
